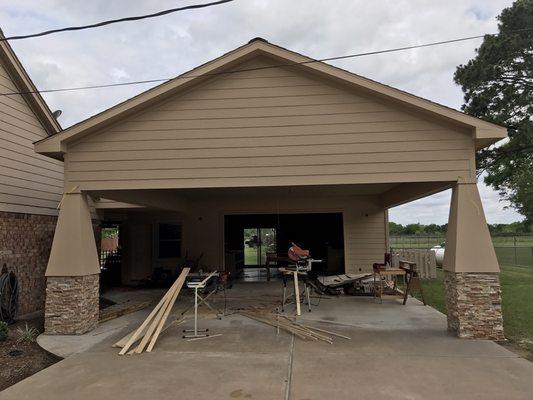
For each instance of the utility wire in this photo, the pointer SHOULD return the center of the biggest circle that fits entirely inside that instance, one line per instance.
(115, 21)
(186, 76)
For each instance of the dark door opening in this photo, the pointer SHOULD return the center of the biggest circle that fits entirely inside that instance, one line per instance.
(249, 238)
(111, 254)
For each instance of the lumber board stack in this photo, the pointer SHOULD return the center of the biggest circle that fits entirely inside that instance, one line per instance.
(118, 310)
(282, 322)
(148, 332)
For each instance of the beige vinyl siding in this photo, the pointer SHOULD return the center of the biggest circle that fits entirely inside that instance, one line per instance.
(364, 236)
(29, 182)
(363, 219)
(269, 127)
(365, 239)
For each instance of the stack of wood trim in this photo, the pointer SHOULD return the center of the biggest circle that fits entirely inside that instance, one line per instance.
(154, 324)
(118, 310)
(304, 332)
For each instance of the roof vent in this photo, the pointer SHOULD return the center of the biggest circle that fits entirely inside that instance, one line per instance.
(258, 39)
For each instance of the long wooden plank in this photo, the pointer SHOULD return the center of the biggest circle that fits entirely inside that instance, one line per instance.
(287, 324)
(297, 293)
(182, 277)
(155, 322)
(119, 310)
(141, 331)
(143, 326)
(328, 332)
(207, 278)
(276, 324)
(122, 342)
(125, 339)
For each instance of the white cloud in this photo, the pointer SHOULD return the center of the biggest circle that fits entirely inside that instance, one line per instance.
(435, 209)
(167, 46)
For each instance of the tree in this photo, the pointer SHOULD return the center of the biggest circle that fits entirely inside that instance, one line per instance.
(498, 87)
(394, 228)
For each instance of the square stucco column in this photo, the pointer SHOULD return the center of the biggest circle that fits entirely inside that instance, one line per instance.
(471, 270)
(72, 274)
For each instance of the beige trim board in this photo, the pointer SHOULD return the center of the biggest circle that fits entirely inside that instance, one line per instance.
(469, 246)
(407, 192)
(106, 204)
(55, 146)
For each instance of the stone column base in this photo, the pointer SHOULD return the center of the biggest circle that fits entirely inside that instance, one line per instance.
(474, 305)
(72, 304)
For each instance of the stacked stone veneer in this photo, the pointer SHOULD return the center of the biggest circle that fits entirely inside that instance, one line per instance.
(473, 301)
(25, 242)
(72, 304)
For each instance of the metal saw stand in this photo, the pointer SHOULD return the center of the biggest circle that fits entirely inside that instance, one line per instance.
(203, 300)
(295, 275)
(198, 333)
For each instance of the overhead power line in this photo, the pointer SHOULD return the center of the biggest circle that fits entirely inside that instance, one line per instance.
(186, 76)
(115, 21)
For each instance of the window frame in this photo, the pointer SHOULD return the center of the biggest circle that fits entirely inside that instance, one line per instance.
(158, 240)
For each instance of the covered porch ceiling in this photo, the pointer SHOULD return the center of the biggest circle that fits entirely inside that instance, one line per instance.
(387, 194)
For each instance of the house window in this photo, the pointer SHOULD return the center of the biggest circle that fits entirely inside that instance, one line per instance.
(169, 241)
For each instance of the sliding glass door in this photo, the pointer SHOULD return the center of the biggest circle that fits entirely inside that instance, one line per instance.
(257, 243)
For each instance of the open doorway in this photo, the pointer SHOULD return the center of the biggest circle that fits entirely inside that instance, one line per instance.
(251, 238)
(111, 254)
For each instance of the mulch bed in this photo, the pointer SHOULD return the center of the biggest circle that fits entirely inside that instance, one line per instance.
(21, 360)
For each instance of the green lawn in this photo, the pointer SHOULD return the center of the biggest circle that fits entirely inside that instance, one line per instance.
(517, 303)
(434, 292)
(251, 255)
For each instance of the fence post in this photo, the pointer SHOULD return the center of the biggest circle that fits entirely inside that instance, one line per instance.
(515, 252)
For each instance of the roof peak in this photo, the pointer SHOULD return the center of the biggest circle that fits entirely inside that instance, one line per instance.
(258, 39)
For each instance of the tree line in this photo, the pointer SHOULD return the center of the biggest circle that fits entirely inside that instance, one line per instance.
(514, 228)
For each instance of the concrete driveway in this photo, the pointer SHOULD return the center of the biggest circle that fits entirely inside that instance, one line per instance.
(395, 352)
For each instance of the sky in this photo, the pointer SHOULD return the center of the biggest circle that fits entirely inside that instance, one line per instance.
(167, 46)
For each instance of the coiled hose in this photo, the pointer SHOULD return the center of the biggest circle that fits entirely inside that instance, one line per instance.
(8, 296)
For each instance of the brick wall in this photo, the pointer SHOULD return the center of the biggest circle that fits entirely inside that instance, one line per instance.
(25, 242)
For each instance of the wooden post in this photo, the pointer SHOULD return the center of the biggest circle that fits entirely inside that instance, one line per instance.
(297, 293)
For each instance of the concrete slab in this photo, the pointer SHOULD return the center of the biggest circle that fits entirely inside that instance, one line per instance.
(395, 352)
(161, 375)
(67, 345)
(407, 376)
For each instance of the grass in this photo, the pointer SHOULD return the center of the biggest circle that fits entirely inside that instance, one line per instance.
(434, 292)
(250, 255)
(517, 297)
(517, 303)
(510, 250)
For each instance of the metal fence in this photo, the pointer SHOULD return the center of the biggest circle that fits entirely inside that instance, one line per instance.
(110, 257)
(510, 250)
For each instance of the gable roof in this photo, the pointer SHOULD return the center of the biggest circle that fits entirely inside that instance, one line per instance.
(24, 84)
(484, 133)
